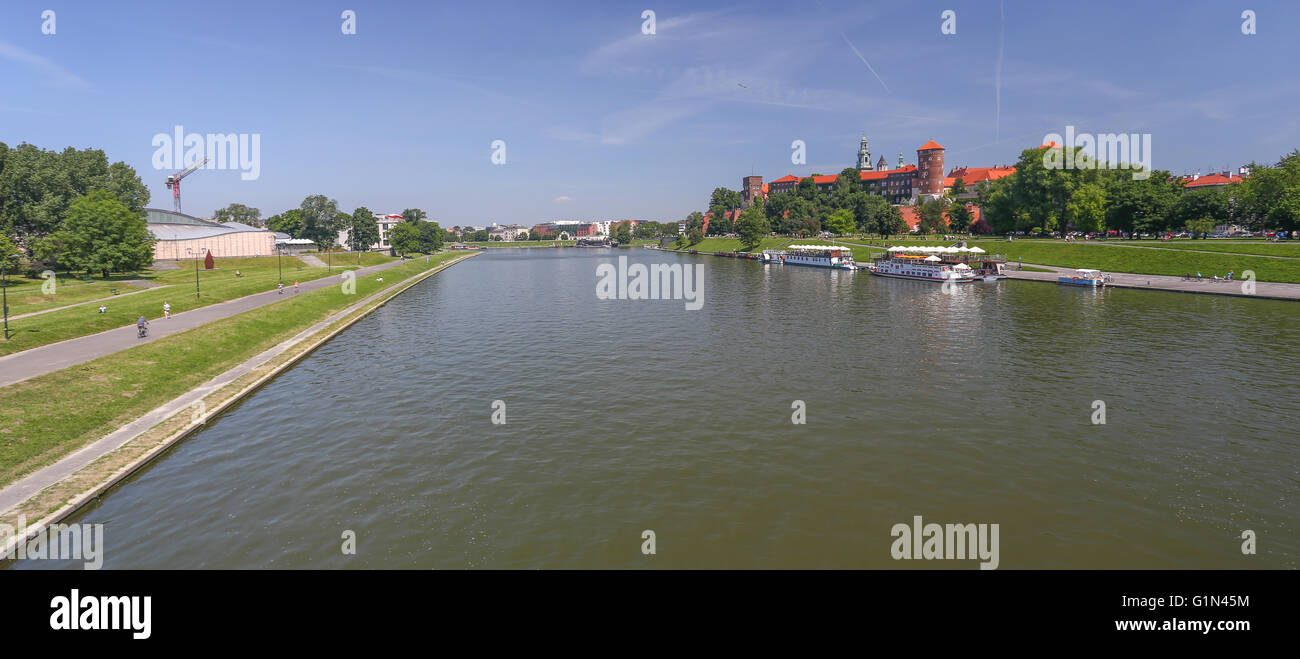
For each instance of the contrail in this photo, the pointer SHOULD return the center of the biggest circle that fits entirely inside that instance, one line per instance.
(864, 61)
(997, 84)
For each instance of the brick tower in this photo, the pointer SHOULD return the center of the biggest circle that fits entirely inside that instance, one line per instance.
(929, 163)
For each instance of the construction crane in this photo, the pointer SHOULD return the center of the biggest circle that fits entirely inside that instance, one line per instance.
(174, 182)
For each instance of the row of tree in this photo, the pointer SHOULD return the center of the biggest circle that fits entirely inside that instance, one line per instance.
(1041, 198)
(319, 220)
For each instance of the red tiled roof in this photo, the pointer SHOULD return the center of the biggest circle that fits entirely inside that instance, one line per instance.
(764, 188)
(972, 175)
(788, 178)
(1211, 179)
(929, 145)
(1050, 145)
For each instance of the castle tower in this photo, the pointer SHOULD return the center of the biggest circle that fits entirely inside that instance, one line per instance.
(864, 156)
(900, 159)
(929, 163)
(751, 187)
(881, 166)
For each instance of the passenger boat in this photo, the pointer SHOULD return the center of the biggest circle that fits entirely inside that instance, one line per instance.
(822, 256)
(1083, 277)
(923, 268)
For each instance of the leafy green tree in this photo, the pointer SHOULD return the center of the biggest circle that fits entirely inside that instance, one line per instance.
(321, 220)
(1200, 226)
(430, 237)
(405, 238)
(102, 235)
(414, 215)
(723, 201)
(891, 222)
(840, 222)
(289, 222)
(959, 217)
(695, 220)
(958, 188)
(238, 213)
(694, 236)
(753, 226)
(9, 253)
(38, 186)
(1086, 209)
(363, 230)
(932, 216)
(623, 234)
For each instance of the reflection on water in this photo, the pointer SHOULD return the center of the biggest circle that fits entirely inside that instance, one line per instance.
(631, 415)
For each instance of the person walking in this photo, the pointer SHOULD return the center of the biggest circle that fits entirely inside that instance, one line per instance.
(279, 288)
(167, 309)
(295, 288)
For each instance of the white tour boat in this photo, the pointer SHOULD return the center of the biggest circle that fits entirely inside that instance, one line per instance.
(924, 268)
(822, 256)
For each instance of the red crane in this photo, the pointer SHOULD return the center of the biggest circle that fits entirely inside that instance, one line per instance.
(174, 182)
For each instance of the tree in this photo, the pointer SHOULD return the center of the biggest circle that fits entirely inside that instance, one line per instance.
(892, 222)
(932, 216)
(1086, 209)
(1200, 226)
(38, 186)
(753, 226)
(623, 234)
(431, 237)
(958, 188)
(320, 220)
(723, 200)
(238, 213)
(959, 217)
(363, 230)
(102, 235)
(289, 222)
(840, 222)
(8, 253)
(695, 236)
(404, 236)
(414, 215)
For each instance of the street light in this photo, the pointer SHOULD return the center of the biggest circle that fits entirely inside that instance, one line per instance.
(4, 289)
(278, 261)
(195, 251)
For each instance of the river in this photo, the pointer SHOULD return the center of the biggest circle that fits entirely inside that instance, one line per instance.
(629, 415)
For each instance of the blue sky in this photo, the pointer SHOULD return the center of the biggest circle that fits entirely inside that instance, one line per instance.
(603, 122)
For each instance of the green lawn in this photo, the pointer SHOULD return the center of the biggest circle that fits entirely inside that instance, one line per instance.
(46, 417)
(218, 285)
(344, 258)
(1174, 262)
(1262, 248)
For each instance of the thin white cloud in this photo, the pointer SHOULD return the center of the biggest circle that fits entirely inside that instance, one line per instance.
(562, 198)
(56, 75)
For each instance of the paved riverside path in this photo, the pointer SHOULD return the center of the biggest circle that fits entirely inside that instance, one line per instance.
(1265, 289)
(56, 356)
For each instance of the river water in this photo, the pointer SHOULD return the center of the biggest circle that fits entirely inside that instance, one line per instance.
(623, 416)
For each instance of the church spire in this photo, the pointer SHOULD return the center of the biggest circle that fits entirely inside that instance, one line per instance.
(864, 155)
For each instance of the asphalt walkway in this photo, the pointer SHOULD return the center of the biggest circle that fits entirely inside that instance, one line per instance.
(56, 356)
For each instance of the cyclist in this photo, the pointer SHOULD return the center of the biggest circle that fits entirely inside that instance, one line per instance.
(142, 327)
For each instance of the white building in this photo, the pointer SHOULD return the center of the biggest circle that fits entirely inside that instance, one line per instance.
(386, 223)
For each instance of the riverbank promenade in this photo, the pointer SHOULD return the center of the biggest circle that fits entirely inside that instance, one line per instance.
(56, 356)
(1263, 289)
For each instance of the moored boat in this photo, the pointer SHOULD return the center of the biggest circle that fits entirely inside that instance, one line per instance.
(1083, 277)
(900, 265)
(822, 256)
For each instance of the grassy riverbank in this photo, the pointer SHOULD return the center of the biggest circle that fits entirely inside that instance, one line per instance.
(176, 287)
(49, 416)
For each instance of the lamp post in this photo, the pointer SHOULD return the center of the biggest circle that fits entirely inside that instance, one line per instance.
(4, 289)
(279, 261)
(195, 251)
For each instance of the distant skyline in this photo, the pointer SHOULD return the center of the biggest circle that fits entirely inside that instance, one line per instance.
(600, 121)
